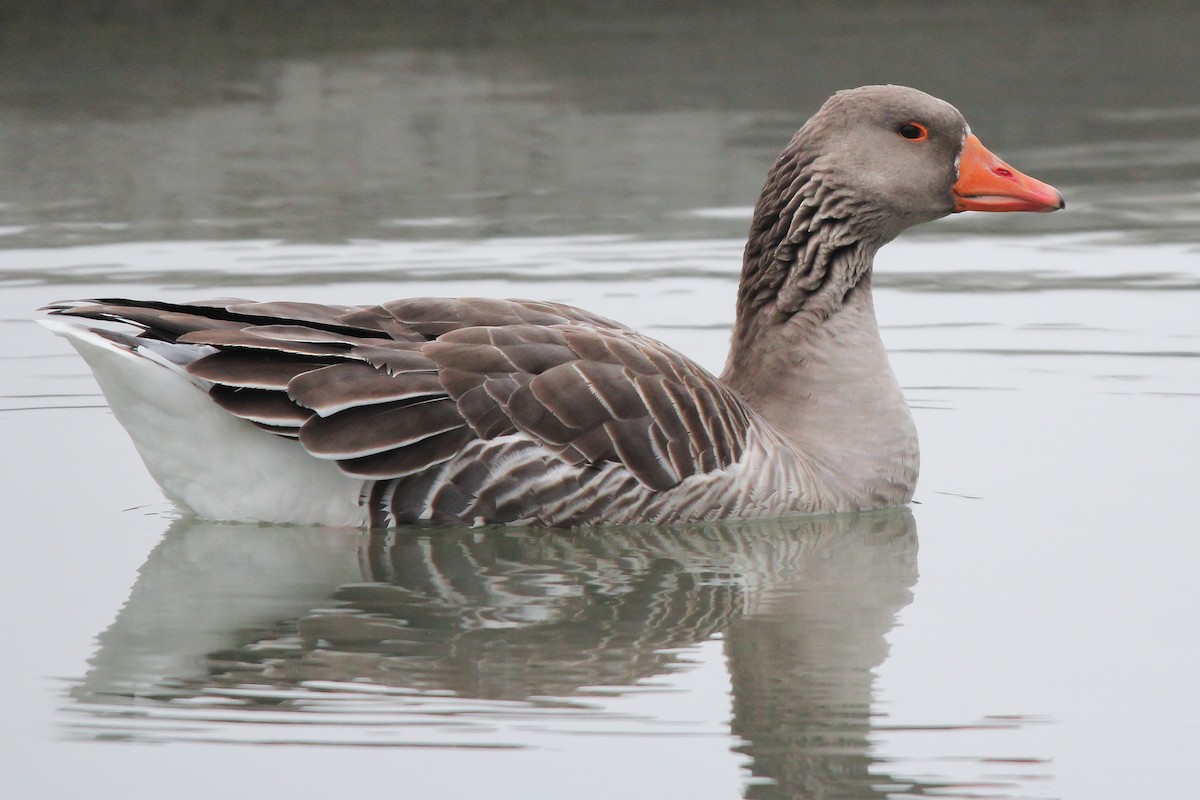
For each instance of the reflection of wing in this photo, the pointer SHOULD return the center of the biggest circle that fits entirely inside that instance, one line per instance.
(468, 611)
(511, 639)
(393, 393)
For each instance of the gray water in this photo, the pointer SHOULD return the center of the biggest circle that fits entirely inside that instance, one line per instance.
(1040, 642)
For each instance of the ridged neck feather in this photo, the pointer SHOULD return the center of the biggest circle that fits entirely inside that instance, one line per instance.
(811, 246)
(811, 243)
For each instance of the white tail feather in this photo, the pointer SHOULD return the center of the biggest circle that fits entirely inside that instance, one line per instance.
(206, 460)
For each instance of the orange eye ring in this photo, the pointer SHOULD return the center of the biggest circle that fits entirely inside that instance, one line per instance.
(913, 131)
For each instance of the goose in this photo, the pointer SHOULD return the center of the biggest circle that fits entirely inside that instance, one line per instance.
(475, 411)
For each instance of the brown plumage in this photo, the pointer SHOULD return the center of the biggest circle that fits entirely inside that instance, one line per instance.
(427, 376)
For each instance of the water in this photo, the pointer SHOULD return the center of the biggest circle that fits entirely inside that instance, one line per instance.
(1039, 641)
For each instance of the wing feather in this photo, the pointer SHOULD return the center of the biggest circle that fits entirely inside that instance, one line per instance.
(410, 458)
(253, 369)
(371, 429)
(350, 384)
(269, 408)
(394, 391)
(251, 339)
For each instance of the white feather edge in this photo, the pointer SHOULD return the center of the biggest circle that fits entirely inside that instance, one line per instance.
(205, 460)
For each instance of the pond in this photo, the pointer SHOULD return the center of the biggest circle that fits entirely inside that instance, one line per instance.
(1026, 629)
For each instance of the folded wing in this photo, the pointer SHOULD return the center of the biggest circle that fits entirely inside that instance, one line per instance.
(398, 389)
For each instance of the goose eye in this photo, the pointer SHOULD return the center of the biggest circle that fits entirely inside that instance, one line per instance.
(913, 130)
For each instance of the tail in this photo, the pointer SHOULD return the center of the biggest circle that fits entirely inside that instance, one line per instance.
(206, 460)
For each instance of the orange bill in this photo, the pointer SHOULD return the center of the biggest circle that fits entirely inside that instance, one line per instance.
(985, 183)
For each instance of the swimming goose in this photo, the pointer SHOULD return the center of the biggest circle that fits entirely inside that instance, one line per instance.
(479, 411)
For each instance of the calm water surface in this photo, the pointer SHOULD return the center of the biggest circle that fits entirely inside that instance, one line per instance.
(1040, 641)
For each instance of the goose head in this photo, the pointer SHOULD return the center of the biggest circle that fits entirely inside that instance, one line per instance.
(901, 157)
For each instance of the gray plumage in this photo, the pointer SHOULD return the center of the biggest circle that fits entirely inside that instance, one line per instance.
(479, 410)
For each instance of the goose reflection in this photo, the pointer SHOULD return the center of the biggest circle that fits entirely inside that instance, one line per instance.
(245, 624)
